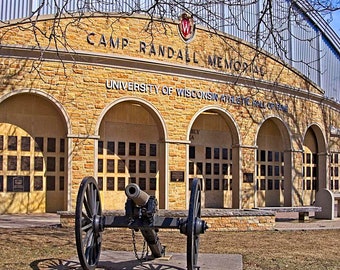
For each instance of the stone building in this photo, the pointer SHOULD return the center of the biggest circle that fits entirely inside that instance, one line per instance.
(102, 96)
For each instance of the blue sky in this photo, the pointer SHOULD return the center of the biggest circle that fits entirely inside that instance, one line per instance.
(335, 24)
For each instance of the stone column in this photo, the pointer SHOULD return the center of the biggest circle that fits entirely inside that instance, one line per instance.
(295, 187)
(81, 163)
(244, 176)
(177, 162)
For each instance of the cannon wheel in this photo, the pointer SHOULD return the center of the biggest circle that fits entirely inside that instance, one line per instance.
(87, 224)
(193, 217)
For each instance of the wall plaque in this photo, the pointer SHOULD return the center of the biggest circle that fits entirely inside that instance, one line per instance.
(177, 176)
(248, 178)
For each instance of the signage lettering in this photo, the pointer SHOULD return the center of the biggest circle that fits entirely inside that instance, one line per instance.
(194, 94)
(183, 54)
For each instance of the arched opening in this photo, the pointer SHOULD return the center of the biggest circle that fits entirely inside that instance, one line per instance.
(211, 158)
(314, 172)
(33, 167)
(273, 178)
(131, 149)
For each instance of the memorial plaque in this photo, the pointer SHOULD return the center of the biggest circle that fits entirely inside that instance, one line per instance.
(121, 148)
(25, 163)
(18, 183)
(121, 166)
(121, 183)
(25, 143)
(132, 149)
(51, 145)
(132, 166)
(142, 166)
(12, 143)
(110, 165)
(39, 144)
(51, 164)
(153, 150)
(110, 183)
(153, 183)
(248, 178)
(62, 183)
(177, 176)
(50, 183)
(110, 148)
(12, 163)
(142, 149)
(38, 183)
(153, 166)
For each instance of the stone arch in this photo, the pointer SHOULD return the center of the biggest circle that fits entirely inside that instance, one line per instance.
(143, 127)
(36, 126)
(213, 155)
(315, 162)
(273, 163)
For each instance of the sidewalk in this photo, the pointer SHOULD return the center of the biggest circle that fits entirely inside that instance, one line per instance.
(28, 220)
(290, 221)
(284, 221)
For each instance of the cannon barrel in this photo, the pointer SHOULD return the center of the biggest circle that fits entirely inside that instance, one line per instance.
(133, 192)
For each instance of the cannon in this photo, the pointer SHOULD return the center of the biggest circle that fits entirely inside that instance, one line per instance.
(141, 214)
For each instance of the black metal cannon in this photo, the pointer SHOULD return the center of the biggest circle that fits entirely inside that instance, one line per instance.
(140, 215)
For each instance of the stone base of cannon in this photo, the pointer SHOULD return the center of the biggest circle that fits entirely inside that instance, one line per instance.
(118, 260)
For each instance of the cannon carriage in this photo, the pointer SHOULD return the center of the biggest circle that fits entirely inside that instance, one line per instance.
(141, 214)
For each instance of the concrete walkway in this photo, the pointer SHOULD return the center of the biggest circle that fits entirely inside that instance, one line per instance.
(285, 221)
(29, 220)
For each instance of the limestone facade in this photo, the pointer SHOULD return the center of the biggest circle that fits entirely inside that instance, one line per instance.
(126, 101)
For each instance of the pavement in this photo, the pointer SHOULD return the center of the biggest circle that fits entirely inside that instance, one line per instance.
(284, 221)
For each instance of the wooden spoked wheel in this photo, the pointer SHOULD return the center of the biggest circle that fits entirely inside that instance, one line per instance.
(195, 226)
(88, 224)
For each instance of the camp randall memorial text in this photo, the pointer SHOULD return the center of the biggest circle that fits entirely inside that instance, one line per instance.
(187, 56)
